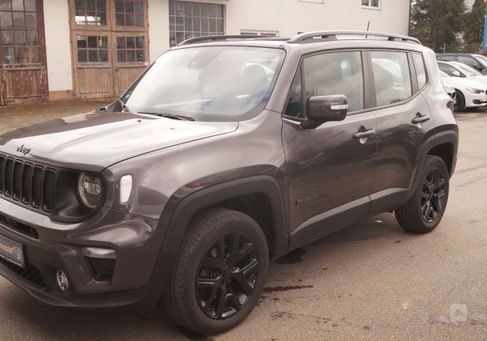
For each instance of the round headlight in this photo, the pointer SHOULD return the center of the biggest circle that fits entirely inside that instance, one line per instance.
(90, 190)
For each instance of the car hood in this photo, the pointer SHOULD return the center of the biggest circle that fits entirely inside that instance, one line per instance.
(480, 79)
(96, 140)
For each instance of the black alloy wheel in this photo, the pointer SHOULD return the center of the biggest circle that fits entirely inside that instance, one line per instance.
(424, 211)
(219, 274)
(434, 195)
(227, 275)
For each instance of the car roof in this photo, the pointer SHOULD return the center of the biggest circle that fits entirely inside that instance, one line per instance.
(312, 41)
(456, 54)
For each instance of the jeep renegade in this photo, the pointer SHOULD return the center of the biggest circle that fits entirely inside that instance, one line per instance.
(227, 153)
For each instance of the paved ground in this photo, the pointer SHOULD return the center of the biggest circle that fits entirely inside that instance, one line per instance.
(367, 282)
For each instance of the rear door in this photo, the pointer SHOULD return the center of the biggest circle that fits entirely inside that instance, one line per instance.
(330, 173)
(403, 118)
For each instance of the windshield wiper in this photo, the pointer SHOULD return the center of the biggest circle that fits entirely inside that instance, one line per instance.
(167, 115)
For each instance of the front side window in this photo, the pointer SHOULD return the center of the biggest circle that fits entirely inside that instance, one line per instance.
(208, 83)
(337, 73)
(420, 70)
(391, 76)
(19, 32)
(192, 19)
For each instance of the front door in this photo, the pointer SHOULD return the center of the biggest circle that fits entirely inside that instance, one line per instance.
(109, 44)
(330, 172)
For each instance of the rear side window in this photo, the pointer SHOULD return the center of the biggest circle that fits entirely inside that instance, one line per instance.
(335, 73)
(420, 70)
(391, 77)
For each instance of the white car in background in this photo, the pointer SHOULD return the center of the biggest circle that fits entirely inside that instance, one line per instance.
(469, 93)
(460, 70)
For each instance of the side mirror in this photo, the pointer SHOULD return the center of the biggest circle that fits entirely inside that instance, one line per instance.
(321, 109)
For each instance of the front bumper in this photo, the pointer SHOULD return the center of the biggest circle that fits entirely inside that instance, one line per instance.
(56, 246)
(475, 100)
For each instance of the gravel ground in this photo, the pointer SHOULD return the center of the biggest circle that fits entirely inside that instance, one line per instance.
(371, 281)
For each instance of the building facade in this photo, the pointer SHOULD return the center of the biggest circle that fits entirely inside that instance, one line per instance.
(64, 49)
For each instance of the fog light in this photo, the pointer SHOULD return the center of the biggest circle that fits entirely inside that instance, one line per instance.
(62, 280)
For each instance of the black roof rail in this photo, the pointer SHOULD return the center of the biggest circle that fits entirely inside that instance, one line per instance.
(228, 37)
(310, 37)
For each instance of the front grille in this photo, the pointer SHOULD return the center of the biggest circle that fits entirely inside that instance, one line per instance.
(26, 182)
(30, 273)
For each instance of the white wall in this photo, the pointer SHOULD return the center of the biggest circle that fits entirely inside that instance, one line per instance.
(158, 27)
(292, 16)
(56, 23)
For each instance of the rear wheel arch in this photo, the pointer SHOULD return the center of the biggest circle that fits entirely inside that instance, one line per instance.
(444, 151)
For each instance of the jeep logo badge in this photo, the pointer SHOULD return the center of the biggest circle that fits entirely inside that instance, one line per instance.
(24, 150)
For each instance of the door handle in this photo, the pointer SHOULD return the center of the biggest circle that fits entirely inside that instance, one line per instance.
(420, 118)
(364, 134)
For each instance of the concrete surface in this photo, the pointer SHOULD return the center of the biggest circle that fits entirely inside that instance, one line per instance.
(371, 281)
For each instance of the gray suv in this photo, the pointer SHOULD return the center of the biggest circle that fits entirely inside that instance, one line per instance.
(226, 154)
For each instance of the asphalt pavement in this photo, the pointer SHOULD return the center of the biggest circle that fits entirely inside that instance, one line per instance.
(371, 281)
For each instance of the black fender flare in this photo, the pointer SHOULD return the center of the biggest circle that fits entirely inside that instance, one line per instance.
(177, 226)
(447, 136)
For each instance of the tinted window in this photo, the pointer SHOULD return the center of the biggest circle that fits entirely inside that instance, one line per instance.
(420, 69)
(338, 73)
(391, 76)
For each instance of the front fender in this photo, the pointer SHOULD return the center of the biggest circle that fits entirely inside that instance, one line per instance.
(175, 219)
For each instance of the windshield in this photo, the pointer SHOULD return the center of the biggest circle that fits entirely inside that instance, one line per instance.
(481, 58)
(207, 83)
(469, 71)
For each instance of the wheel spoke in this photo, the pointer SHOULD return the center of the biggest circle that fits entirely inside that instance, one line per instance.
(214, 285)
(247, 249)
(244, 284)
(249, 268)
(430, 213)
(436, 174)
(222, 302)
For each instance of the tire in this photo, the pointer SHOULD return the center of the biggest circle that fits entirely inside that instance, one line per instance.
(210, 290)
(423, 212)
(460, 101)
